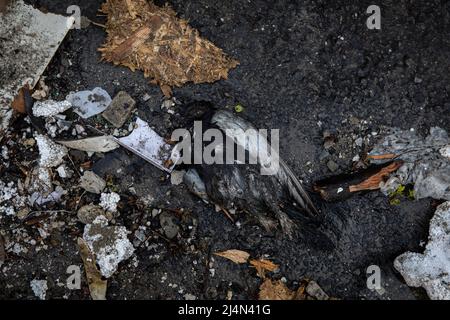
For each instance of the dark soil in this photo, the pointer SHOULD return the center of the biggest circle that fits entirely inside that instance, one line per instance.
(305, 67)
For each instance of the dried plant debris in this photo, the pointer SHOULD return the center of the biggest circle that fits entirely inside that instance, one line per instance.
(431, 270)
(97, 285)
(425, 164)
(93, 144)
(144, 36)
(237, 256)
(277, 290)
(29, 39)
(341, 187)
(50, 108)
(109, 244)
(263, 265)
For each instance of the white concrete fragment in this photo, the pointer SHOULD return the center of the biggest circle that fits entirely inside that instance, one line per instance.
(109, 244)
(431, 270)
(39, 288)
(88, 103)
(51, 153)
(50, 108)
(108, 201)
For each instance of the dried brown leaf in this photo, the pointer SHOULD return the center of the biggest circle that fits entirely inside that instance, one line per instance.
(382, 156)
(373, 182)
(275, 290)
(18, 103)
(237, 256)
(144, 36)
(263, 265)
(97, 286)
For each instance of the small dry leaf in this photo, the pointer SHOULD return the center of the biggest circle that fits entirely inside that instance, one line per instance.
(263, 265)
(97, 286)
(237, 256)
(275, 290)
(373, 182)
(18, 103)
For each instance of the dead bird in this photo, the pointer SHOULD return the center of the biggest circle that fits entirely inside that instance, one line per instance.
(241, 186)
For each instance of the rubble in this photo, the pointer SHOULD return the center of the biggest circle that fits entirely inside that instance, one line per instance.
(146, 143)
(430, 270)
(168, 224)
(88, 213)
(33, 38)
(88, 103)
(92, 182)
(424, 165)
(109, 244)
(120, 109)
(176, 177)
(50, 108)
(51, 154)
(108, 201)
(39, 288)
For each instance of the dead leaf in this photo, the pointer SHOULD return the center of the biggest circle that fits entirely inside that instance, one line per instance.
(373, 182)
(94, 144)
(263, 265)
(275, 290)
(144, 36)
(341, 187)
(2, 251)
(167, 91)
(237, 256)
(18, 103)
(382, 156)
(97, 286)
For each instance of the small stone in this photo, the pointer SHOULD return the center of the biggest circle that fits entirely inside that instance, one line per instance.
(189, 296)
(92, 182)
(168, 224)
(155, 212)
(359, 142)
(120, 109)
(63, 172)
(333, 166)
(39, 288)
(315, 291)
(88, 213)
(176, 177)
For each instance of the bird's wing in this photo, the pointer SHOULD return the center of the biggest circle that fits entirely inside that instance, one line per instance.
(252, 141)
